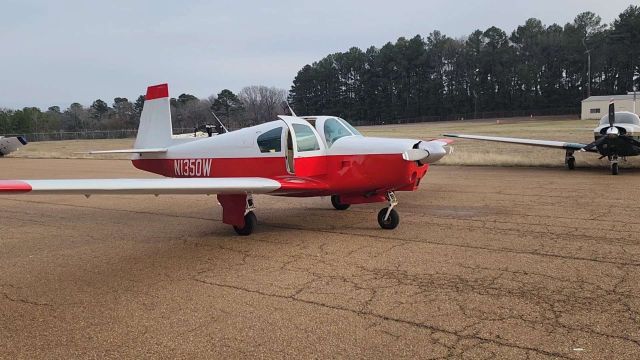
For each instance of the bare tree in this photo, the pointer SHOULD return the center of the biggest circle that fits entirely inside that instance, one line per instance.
(262, 103)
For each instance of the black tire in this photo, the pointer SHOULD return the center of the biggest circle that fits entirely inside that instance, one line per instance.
(250, 222)
(335, 201)
(614, 169)
(570, 163)
(392, 222)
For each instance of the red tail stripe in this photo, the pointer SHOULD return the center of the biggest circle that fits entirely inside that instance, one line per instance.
(157, 92)
(14, 186)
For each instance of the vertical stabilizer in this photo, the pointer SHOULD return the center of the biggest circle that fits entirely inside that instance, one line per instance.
(155, 121)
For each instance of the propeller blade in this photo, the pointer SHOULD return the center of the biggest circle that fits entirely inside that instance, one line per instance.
(594, 144)
(630, 140)
(612, 113)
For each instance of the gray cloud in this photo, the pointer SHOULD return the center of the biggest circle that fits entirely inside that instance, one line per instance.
(55, 53)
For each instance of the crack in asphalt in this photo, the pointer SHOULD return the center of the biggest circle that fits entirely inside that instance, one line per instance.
(566, 257)
(388, 318)
(25, 301)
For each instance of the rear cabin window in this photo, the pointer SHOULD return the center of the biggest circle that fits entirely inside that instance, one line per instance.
(271, 141)
(305, 138)
(334, 130)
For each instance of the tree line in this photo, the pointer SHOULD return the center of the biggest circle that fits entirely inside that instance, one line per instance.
(252, 105)
(534, 68)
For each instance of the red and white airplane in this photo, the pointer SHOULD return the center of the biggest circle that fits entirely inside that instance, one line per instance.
(293, 156)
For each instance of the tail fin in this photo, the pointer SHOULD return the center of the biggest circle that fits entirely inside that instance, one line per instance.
(155, 121)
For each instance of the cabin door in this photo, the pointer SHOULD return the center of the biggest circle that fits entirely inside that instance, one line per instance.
(305, 150)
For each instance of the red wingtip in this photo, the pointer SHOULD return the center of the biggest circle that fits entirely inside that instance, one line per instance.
(157, 92)
(14, 186)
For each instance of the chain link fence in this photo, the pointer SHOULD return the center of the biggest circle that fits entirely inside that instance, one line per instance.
(573, 112)
(88, 134)
(131, 133)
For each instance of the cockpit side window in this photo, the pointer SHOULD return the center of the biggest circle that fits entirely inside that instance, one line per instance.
(334, 130)
(305, 138)
(271, 141)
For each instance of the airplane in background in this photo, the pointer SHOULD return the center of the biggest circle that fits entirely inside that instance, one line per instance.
(11, 144)
(292, 156)
(616, 136)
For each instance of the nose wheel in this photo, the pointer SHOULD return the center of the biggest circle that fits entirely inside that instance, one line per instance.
(388, 217)
(614, 165)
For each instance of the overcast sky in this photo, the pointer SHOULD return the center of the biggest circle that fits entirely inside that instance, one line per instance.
(58, 52)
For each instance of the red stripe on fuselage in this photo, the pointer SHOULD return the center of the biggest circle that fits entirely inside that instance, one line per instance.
(12, 186)
(322, 175)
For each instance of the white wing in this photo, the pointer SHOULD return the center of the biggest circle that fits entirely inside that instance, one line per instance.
(11, 144)
(141, 186)
(532, 142)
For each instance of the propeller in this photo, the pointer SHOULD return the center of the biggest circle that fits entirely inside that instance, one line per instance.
(594, 144)
(612, 131)
(428, 151)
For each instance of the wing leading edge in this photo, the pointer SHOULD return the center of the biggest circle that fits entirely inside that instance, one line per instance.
(141, 186)
(531, 142)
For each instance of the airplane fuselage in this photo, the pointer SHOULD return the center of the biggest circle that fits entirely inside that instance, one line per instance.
(361, 169)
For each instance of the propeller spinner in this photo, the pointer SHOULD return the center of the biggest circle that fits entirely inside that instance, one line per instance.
(612, 131)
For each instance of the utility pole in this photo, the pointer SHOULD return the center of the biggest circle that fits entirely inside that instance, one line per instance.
(475, 105)
(588, 52)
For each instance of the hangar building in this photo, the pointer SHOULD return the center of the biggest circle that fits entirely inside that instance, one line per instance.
(595, 107)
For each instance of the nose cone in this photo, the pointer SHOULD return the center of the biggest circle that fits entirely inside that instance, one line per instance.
(436, 150)
(613, 132)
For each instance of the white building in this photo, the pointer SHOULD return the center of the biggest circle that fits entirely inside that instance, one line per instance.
(595, 107)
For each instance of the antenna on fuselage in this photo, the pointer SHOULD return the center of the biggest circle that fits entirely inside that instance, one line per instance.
(290, 109)
(219, 121)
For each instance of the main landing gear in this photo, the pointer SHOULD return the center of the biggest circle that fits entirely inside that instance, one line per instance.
(569, 160)
(250, 219)
(335, 201)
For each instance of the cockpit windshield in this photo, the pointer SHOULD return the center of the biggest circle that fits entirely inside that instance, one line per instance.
(622, 118)
(351, 128)
(334, 130)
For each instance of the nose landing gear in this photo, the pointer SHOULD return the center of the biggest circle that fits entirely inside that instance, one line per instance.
(388, 217)
(614, 164)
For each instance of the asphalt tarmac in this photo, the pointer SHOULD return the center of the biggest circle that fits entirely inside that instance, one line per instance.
(486, 263)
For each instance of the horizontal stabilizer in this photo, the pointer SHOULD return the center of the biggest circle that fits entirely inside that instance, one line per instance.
(130, 151)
